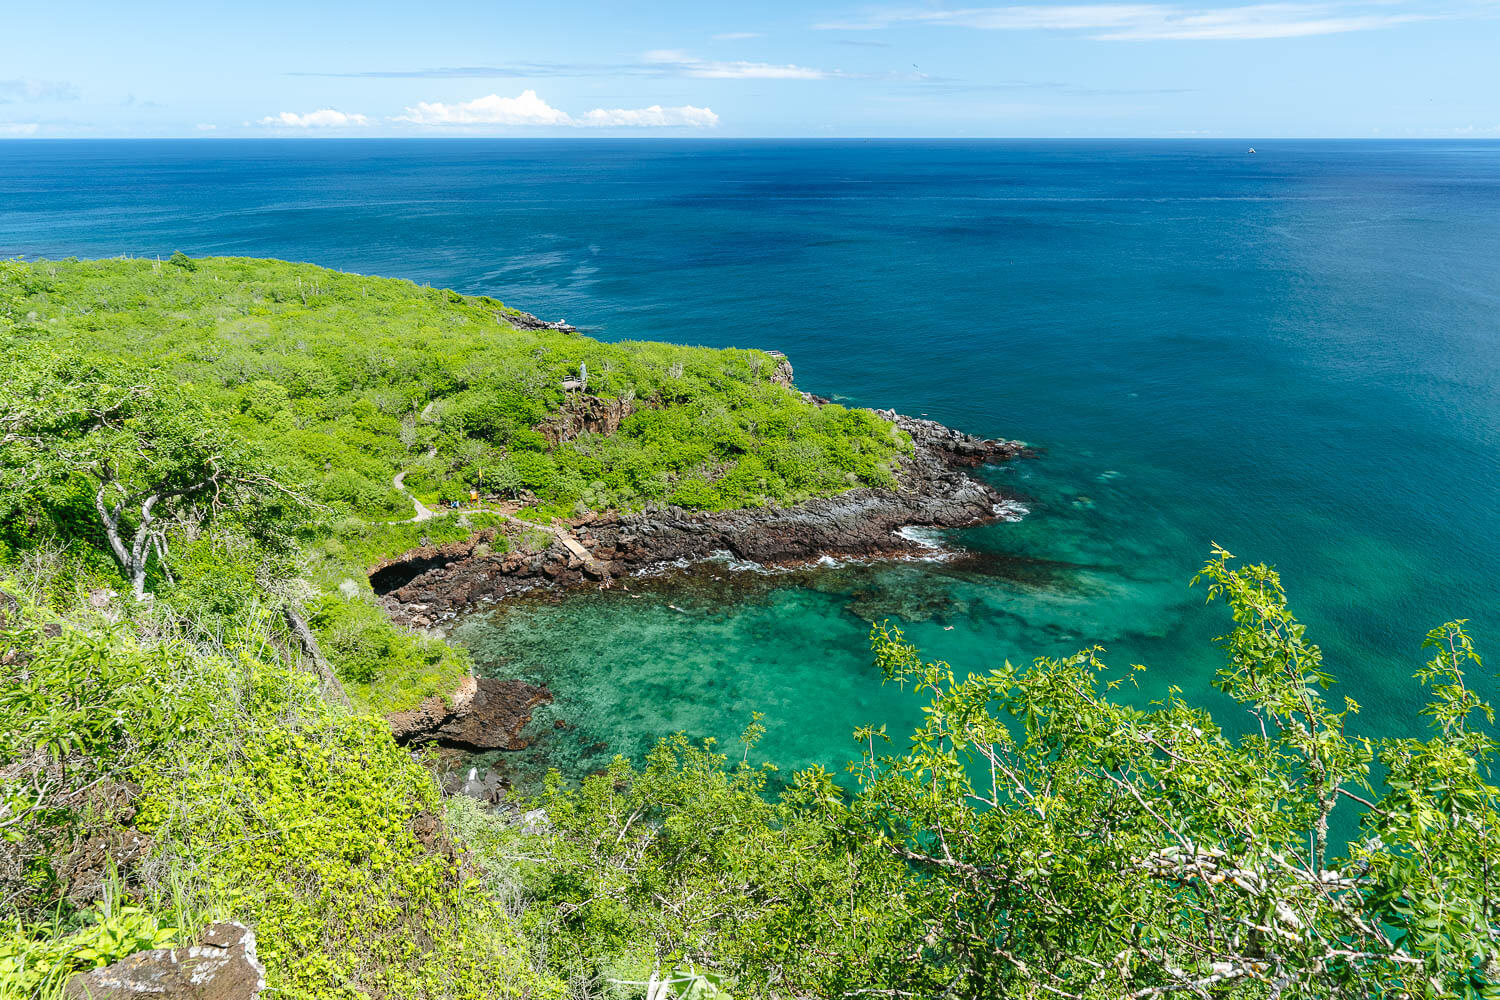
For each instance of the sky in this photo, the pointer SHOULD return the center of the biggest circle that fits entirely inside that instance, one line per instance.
(773, 68)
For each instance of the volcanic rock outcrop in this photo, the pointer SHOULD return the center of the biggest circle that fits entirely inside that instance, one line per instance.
(222, 966)
(483, 714)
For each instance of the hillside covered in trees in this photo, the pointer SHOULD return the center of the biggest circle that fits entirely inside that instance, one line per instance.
(197, 454)
(343, 381)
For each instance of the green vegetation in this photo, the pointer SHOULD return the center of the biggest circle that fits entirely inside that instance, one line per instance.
(344, 380)
(167, 756)
(146, 401)
(258, 800)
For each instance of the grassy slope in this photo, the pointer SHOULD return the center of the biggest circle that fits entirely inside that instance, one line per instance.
(349, 379)
(344, 380)
(255, 799)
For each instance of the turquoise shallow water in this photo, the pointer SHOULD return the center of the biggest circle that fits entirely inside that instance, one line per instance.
(1296, 354)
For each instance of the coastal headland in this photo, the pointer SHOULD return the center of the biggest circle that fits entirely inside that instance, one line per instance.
(427, 585)
(432, 584)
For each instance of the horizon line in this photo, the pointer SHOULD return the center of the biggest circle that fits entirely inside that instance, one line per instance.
(24, 139)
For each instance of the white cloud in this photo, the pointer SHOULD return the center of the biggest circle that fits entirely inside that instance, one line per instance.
(1467, 130)
(1258, 22)
(205, 127)
(735, 36)
(1157, 21)
(707, 69)
(755, 71)
(529, 109)
(655, 116)
(36, 90)
(18, 128)
(325, 118)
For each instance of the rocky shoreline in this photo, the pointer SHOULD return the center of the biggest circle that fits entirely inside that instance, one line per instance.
(483, 714)
(428, 585)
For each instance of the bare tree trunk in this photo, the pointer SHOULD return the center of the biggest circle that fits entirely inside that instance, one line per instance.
(140, 550)
(326, 678)
(159, 542)
(112, 529)
(133, 560)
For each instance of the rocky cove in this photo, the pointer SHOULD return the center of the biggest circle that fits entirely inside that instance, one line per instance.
(431, 585)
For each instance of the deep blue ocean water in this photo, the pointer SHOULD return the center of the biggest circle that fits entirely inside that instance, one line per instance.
(1294, 353)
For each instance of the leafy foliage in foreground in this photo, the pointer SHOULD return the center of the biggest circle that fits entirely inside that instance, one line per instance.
(1039, 837)
(1042, 838)
(265, 802)
(685, 862)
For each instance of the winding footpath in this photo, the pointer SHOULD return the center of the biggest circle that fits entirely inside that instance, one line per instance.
(424, 513)
(563, 535)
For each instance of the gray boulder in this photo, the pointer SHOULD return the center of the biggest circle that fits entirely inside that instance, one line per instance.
(222, 966)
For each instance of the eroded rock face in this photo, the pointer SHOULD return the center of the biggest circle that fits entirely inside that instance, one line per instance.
(222, 966)
(783, 374)
(585, 415)
(526, 321)
(483, 714)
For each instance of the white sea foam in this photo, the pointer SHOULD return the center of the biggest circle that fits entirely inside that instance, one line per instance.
(929, 542)
(728, 560)
(928, 538)
(665, 566)
(1011, 510)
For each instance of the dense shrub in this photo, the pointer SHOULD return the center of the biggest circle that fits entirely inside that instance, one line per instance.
(261, 801)
(381, 664)
(346, 380)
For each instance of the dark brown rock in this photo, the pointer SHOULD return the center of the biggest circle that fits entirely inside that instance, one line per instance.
(483, 714)
(88, 867)
(526, 321)
(222, 966)
(390, 574)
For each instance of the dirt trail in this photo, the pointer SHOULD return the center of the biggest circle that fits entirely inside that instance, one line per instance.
(423, 512)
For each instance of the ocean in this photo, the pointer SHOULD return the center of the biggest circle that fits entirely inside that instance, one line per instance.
(1293, 353)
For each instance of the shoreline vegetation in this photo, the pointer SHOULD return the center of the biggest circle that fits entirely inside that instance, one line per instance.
(217, 582)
